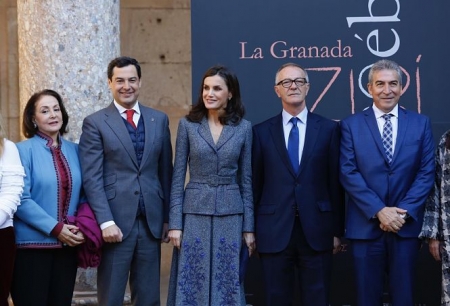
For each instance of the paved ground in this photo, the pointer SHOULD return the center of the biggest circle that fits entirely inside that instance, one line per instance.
(89, 298)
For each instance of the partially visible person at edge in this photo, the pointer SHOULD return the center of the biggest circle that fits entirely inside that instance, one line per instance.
(436, 223)
(387, 167)
(211, 216)
(299, 202)
(46, 260)
(11, 187)
(126, 158)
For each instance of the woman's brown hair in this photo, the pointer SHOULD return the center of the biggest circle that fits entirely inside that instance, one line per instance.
(28, 125)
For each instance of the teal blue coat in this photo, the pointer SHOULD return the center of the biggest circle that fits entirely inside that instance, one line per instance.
(40, 210)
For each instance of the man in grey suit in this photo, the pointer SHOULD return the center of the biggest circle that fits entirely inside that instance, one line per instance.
(126, 158)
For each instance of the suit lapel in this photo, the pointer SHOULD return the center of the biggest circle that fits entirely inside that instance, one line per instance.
(371, 121)
(114, 120)
(401, 131)
(227, 133)
(277, 134)
(312, 131)
(205, 133)
(150, 131)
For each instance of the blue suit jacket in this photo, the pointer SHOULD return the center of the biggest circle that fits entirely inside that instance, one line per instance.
(372, 184)
(40, 208)
(315, 191)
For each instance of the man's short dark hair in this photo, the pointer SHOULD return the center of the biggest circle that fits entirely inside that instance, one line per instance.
(123, 61)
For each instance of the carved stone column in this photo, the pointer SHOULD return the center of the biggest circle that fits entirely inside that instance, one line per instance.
(66, 45)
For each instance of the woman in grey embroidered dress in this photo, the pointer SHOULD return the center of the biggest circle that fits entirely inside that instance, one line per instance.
(209, 219)
(436, 224)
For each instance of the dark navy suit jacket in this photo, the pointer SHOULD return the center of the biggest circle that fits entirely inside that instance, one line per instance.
(315, 191)
(371, 183)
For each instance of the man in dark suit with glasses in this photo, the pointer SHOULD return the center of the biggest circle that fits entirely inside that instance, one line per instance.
(297, 195)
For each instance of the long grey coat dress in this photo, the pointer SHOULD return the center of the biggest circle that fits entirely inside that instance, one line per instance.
(213, 211)
(436, 223)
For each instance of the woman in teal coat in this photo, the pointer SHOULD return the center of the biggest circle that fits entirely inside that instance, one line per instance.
(46, 262)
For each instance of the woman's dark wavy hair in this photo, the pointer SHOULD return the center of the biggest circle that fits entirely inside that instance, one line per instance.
(234, 110)
(30, 110)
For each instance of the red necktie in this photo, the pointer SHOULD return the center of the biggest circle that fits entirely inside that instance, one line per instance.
(130, 113)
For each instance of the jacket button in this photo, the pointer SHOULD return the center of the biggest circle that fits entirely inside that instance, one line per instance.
(136, 192)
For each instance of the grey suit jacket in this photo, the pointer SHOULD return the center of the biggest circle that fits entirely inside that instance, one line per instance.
(112, 178)
(220, 174)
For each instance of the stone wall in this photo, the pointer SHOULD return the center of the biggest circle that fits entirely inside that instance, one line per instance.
(158, 34)
(9, 69)
(155, 32)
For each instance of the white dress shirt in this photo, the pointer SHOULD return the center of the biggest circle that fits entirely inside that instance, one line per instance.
(136, 115)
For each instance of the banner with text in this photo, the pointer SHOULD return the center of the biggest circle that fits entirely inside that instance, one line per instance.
(336, 41)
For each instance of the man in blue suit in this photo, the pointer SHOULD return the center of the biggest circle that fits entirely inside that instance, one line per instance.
(297, 195)
(387, 169)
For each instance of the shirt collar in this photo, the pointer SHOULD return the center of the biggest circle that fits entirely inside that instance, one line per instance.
(122, 109)
(379, 113)
(302, 116)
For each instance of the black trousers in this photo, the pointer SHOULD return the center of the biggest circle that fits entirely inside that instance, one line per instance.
(298, 261)
(7, 255)
(44, 277)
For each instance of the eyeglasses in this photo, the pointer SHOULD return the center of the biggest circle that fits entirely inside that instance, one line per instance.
(286, 83)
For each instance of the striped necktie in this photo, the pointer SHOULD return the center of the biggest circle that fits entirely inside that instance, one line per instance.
(387, 136)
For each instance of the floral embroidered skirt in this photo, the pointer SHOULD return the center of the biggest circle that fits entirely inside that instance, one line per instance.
(205, 271)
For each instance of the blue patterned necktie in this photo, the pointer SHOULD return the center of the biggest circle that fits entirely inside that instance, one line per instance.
(387, 136)
(293, 143)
